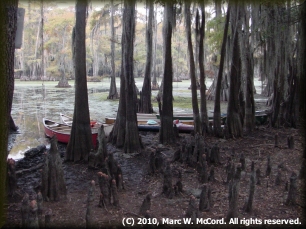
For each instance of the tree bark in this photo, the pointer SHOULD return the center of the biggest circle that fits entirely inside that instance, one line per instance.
(233, 190)
(200, 32)
(11, 27)
(166, 133)
(192, 69)
(98, 159)
(53, 181)
(248, 206)
(132, 141)
(80, 142)
(248, 70)
(292, 193)
(233, 120)
(217, 109)
(205, 198)
(90, 203)
(145, 206)
(113, 94)
(6, 82)
(146, 105)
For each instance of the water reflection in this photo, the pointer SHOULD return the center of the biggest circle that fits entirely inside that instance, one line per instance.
(33, 100)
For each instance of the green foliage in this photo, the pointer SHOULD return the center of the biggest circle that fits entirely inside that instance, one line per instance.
(214, 33)
(53, 71)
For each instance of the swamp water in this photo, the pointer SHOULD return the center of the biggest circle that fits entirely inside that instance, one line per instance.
(35, 100)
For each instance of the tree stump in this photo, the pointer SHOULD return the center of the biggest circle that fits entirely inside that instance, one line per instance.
(248, 206)
(90, 202)
(98, 159)
(205, 198)
(104, 184)
(192, 210)
(53, 181)
(233, 195)
(290, 141)
(292, 193)
(167, 184)
(114, 193)
(25, 210)
(145, 206)
(11, 177)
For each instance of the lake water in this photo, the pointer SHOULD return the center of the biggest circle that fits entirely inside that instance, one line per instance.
(35, 100)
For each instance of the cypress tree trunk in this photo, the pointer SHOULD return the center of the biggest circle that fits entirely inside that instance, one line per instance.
(132, 141)
(113, 94)
(302, 78)
(233, 120)
(11, 8)
(146, 106)
(80, 142)
(247, 69)
(166, 133)
(192, 69)
(117, 135)
(217, 109)
(200, 32)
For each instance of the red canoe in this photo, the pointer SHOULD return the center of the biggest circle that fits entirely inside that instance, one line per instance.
(62, 131)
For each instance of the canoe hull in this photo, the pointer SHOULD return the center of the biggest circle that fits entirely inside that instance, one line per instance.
(62, 131)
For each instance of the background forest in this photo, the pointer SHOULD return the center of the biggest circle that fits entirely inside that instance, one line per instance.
(46, 50)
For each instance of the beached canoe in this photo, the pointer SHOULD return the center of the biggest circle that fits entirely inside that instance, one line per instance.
(62, 131)
(94, 124)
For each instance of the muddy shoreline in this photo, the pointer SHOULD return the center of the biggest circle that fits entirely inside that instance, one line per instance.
(268, 203)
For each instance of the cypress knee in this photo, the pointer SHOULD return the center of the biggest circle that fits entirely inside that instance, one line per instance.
(291, 198)
(249, 201)
(145, 206)
(115, 193)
